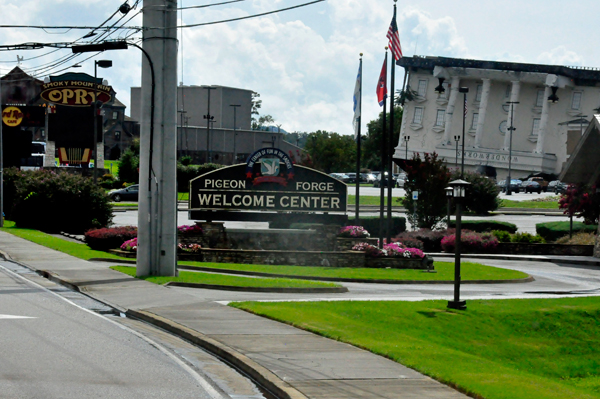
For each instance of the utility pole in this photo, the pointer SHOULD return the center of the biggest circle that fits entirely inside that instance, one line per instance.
(208, 118)
(510, 132)
(157, 215)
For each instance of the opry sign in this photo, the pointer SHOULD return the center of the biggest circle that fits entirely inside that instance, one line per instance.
(267, 182)
(75, 90)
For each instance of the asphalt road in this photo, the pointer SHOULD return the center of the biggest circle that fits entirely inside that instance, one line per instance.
(53, 347)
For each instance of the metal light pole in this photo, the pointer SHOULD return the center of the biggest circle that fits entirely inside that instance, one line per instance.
(406, 139)
(235, 107)
(449, 195)
(463, 90)
(459, 187)
(208, 118)
(510, 132)
(101, 64)
(456, 139)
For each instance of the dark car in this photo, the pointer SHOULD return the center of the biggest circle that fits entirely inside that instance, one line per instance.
(560, 187)
(531, 186)
(125, 194)
(377, 183)
(515, 185)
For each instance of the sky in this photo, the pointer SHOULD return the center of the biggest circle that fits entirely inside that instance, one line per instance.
(304, 62)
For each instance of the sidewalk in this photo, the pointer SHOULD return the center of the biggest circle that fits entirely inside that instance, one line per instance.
(290, 362)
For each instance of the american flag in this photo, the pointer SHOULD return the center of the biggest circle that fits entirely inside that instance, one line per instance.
(465, 106)
(394, 39)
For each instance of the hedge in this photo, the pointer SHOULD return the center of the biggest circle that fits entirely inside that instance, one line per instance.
(552, 231)
(371, 223)
(483, 226)
(109, 237)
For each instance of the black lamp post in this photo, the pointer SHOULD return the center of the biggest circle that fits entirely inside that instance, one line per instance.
(101, 64)
(463, 90)
(456, 139)
(235, 107)
(510, 132)
(406, 138)
(449, 195)
(459, 188)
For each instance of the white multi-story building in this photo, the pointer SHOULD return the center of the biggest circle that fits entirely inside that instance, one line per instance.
(549, 107)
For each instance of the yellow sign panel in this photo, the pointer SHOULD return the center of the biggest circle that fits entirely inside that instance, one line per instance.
(12, 116)
(75, 93)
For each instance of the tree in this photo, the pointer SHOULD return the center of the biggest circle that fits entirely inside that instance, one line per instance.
(331, 151)
(482, 194)
(581, 200)
(296, 138)
(429, 176)
(129, 163)
(371, 147)
(262, 122)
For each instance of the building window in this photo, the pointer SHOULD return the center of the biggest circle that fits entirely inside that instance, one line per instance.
(446, 92)
(576, 100)
(539, 100)
(503, 127)
(535, 127)
(418, 116)
(115, 115)
(422, 88)
(117, 135)
(439, 118)
(475, 121)
(478, 93)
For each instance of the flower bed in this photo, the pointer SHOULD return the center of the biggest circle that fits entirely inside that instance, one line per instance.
(353, 232)
(394, 255)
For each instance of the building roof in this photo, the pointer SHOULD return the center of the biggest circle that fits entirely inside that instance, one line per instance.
(583, 165)
(581, 74)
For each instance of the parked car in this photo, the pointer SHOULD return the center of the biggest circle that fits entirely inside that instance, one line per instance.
(351, 177)
(341, 177)
(540, 180)
(370, 178)
(400, 179)
(515, 185)
(560, 187)
(530, 186)
(125, 194)
(378, 183)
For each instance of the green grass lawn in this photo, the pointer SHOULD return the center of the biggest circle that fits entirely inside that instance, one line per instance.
(529, 204)
(496, 349)
(78, 250)
(445, 271)
(226, 280)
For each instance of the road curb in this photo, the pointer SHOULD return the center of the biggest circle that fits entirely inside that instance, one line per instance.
(521, 258)
(291, 290)
(257, 372)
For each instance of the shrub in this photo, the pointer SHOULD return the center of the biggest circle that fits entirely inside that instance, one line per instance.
(482, 194)
(353, 232)
(10, 176)
(109, 238)
(188, 229)
(528, 238)
(482, 226)
(583, 201)
(50, 201)
(393, 250)
(410, 242)
(431, 239)
(130, 245)
(552, 231)
(189, 248)
(185, 173)
(371, 224)
(129, 164)
(501, 235)
(471, 242)
(581, 238)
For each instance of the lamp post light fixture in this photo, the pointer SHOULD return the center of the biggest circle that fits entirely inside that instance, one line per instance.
(406, 139)
(235, 107)
(101, 64)
(449, 196)
(510, 132)
(456, 139)
(459, 188)
(463, 90)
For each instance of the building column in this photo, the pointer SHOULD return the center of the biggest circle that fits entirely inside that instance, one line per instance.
(49, 159)
(454, 86)
(514, 96)
(539, 148)
(485, 92)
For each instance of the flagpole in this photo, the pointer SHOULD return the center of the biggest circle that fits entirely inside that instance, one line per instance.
(358, 140)
(391, 147)
(383, 163)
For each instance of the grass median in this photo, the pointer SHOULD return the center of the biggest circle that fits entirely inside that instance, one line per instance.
(496, 349)
(226, 280)
(445, 271)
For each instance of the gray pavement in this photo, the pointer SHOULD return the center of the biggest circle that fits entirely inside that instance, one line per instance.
(290, 362)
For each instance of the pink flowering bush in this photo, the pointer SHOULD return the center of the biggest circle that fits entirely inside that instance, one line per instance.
(393, 250)
(472, 242)
(189, 229)
(130, 245)
(189, 248)
(353, 232)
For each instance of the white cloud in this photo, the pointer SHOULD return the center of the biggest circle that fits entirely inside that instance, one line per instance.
(560, 56)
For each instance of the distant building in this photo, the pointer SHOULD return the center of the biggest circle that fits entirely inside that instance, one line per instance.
(231, 139)
(549, 106)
